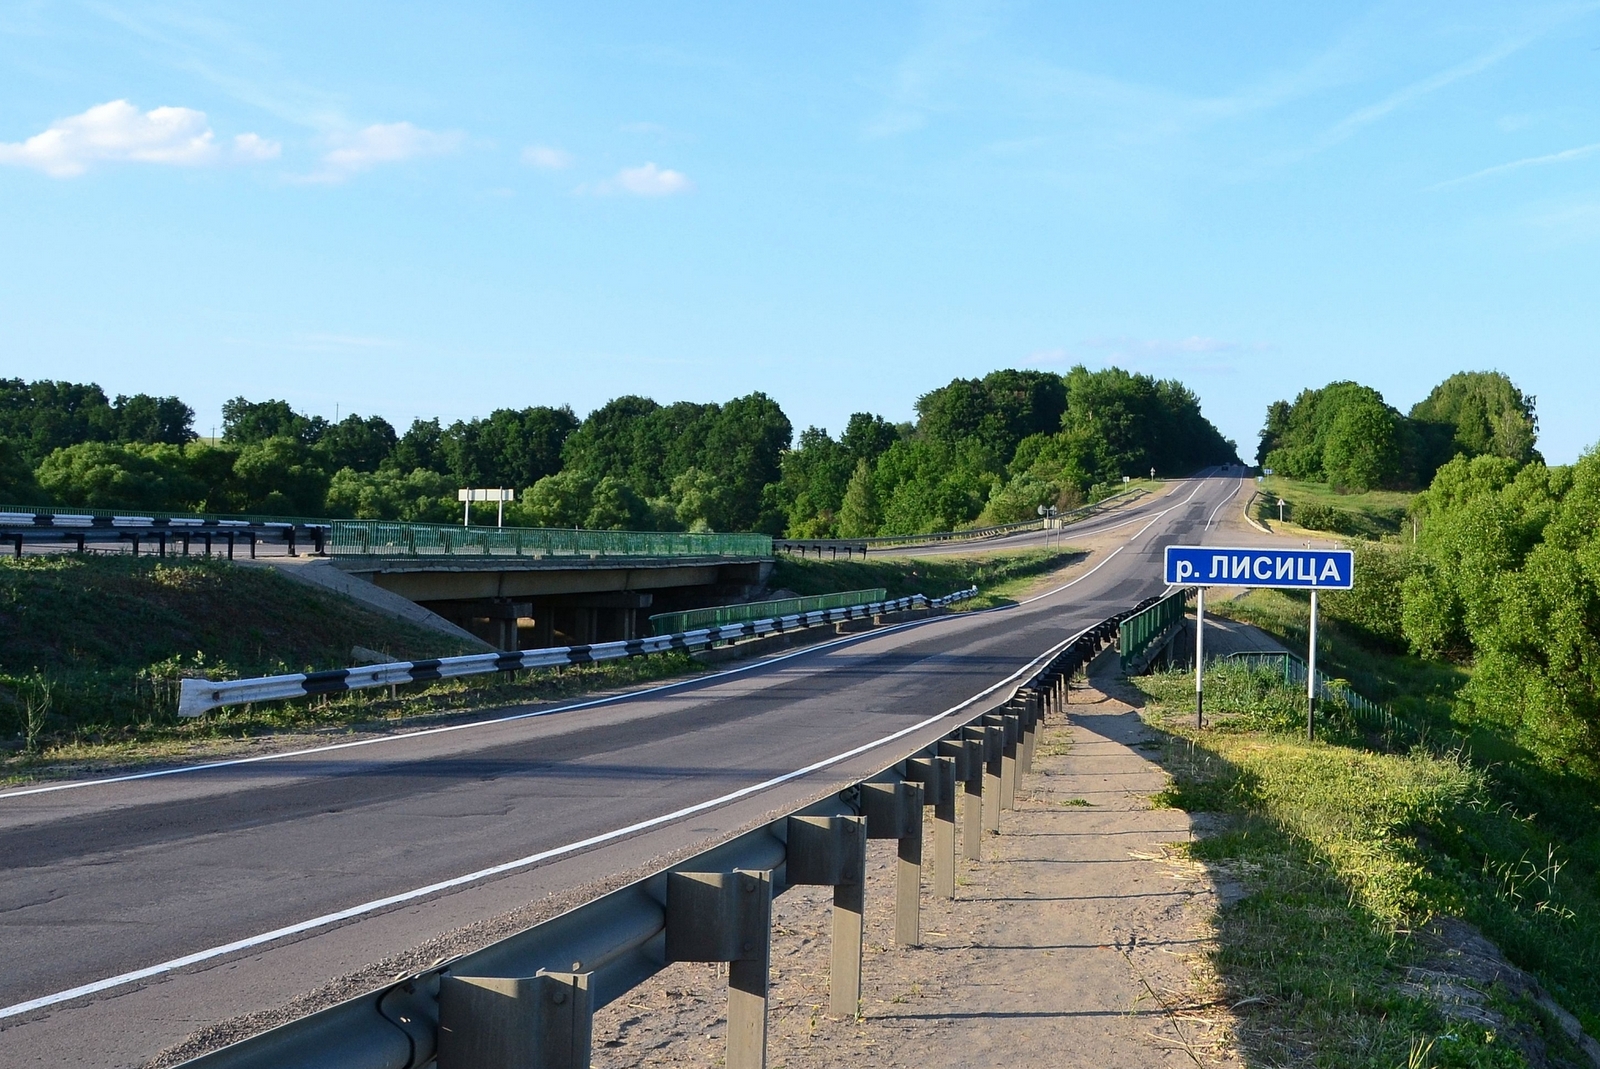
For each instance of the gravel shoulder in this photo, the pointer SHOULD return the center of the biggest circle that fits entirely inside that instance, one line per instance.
(1080, 939)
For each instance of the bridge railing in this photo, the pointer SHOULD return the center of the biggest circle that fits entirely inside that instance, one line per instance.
(529, 999)
(667, 623)
(1151, 626)
(384, 538)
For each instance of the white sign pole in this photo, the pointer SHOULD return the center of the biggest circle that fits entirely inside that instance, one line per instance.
(1311, 674)
(500, 515)
(466, 511)
(1200, 657)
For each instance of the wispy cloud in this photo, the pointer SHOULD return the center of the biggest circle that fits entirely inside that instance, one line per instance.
(118, 132)
(383, 143)
(1517, 165)
(546, 158)
(647, 180)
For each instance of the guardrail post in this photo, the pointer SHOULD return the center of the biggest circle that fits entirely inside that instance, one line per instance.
(1007, 723)
(832, 851)
(516, 1022)
(938, 778)
(1008, 765)
(993, 745)
(894, 811)
(727, 916)
(971, 772)
(1032, 713)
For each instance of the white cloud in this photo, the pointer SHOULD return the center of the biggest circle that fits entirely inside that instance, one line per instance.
(117, 131)
(546, 158)
(1517, 165)
(253, 148)
(647, 181)
(383, 143)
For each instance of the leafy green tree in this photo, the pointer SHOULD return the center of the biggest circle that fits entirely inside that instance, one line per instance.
(812, 485)
(41, 417)
(867, 437)
(420, 447)
(152, 420)
(859, 515)
(416, 496)
(108, 475)
(564, 499)
(513, 447)
(17, 484)
(250, 422)
(1483, 413)
(1361, 449)
(360, 444)
(615, 507)
(279, 476)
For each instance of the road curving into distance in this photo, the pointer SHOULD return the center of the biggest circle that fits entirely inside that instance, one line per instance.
(137, 911)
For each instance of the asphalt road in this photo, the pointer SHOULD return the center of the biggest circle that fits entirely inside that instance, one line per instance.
(107, 878)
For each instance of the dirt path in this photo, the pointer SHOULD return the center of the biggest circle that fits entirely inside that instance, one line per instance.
(1077, 941)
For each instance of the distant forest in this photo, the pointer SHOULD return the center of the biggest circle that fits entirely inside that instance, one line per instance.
(981, 451)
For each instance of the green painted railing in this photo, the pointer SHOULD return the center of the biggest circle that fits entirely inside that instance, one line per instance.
(1142, 630)
(381, 538)
(1293, 667)
(673, 623)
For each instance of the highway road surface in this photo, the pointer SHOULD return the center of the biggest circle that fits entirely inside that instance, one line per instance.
(139, 912)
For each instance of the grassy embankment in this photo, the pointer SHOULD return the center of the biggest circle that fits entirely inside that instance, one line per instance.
(1351, 850)
(92, 649)
(1320, 509)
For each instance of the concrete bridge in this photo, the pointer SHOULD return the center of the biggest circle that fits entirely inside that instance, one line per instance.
(522, 588)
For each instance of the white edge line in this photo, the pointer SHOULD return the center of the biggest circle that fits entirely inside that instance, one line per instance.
(172, 964)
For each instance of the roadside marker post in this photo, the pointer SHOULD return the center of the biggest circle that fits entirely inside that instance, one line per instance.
(1284, 569)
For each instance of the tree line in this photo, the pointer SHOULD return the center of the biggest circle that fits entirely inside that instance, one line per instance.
(987, 450)
(1347, 435)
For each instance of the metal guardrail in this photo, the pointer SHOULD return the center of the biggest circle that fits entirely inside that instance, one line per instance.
(529, 1000)
(1150, 627)
(198, 696)
(851, 546)
(82, 526)
(395, 539)
(666, 623)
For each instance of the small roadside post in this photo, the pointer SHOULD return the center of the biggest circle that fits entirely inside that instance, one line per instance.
(1285, 569)
(1281, 503)
(1048, 512)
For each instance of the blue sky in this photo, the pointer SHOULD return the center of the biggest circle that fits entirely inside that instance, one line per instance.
(422, 210)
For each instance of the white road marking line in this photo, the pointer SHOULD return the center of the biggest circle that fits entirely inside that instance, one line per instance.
(123, 979)
(1236, 487)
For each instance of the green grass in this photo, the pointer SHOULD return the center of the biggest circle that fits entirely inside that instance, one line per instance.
(92, 650)
(1318, 506)
(1347, 846)
(998, 576)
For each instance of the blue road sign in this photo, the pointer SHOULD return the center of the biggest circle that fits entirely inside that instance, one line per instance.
(1311, 569)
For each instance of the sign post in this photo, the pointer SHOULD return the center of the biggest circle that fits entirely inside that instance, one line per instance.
(1286, 569)
(467, 497)
(1200, 657)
